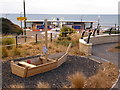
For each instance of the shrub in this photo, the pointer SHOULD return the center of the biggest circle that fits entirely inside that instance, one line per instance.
(60, 38)
(64, 38)
(68, 38)
(77, 80)
(66, 30)
(4, 52)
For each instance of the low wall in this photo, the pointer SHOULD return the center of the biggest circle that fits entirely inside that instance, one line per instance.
(94, 40)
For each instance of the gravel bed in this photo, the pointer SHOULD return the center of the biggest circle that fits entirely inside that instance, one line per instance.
(56, 78)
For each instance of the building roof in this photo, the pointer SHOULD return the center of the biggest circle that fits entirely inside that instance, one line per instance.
(60, 21)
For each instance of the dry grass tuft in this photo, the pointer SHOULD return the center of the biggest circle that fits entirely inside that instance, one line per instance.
(17, 86)
(105, 77)
(96, 81)
(32, 49)
(43, 85)
(16, 51)
(4, 52)
(77, 80)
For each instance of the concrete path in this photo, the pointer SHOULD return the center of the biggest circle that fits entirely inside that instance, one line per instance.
(101, 51)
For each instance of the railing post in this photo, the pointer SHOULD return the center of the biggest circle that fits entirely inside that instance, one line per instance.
(94, 32)
(25, 38)
(110, 31)
(16, 41)
(118, 29)
(83, 34)
(98, 32)
(51, 37)
(36, 38)
(115, 28)
(89, 37)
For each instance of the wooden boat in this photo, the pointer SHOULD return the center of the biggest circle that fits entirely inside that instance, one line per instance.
(24, 69)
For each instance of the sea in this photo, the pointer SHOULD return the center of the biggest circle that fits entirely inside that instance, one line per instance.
(104, 19)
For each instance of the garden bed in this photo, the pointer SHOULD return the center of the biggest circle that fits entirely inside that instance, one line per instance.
(56, 78)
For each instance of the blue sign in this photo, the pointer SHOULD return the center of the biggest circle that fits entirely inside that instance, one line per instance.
(44, 49)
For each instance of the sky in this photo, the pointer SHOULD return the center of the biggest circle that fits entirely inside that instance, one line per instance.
(60, 6)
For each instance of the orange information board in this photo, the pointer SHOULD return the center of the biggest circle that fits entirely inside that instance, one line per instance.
(21, 18)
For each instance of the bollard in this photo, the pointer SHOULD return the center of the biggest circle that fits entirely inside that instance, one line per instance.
(98, 32)
(25, 38)
(115, 28)
(16, 41)
(110, 31)
(51, 37)
(94, 32)
(83, 34)
(36, 38)
(118, 29)
(89, 37)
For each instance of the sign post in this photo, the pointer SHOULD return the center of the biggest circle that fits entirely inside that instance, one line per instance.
(46, 40)
(21, 18)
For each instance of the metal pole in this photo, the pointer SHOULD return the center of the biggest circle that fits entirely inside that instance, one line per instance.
(24, 20)
(110, 31)
(36, 38)
(115, 28)
(51, 37)
(94, 32)
(83, 34)
(118, 29)
(98, 30)
(16, 42)
(89, 37)
(21, 21)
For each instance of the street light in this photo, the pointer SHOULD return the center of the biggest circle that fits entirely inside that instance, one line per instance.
(98, 20)
(82, 18)
(98, 27)
(24, 20)
(21, 21)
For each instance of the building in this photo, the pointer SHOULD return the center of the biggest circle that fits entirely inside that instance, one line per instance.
(38, 25)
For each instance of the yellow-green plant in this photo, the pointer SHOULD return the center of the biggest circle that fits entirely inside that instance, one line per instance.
(8, 41)
(66, 30)
(4, 52)
(16, 51)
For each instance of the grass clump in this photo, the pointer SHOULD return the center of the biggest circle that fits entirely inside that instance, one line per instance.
(43, 85)
(17, 86)
(118, 46)
(16, 51)
(77, 80)
(105, 77)
(8, 41)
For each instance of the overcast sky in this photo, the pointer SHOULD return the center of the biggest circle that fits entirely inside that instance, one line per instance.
(60, 6)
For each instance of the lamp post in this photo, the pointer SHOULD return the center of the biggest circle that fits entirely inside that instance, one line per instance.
(82, 18)
(21, 22)
(98, 20)
(24, 20)
(98, 27)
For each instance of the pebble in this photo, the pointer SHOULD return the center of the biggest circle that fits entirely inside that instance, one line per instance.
(56, 78)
